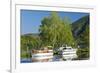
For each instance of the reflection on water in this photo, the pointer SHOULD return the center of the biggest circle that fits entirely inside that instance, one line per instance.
(26, 60)
(54, 58)
(57, 58)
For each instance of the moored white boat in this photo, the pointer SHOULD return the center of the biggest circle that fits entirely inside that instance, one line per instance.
(68, 52)
(42, 56)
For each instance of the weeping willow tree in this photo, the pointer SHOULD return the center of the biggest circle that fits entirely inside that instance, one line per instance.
(56, 31)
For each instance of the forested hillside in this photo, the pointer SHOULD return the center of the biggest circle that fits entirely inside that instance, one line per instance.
(80, 30)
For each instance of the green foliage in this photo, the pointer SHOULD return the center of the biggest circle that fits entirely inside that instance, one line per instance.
(83, 53)
(84, 38)
(84, 43)
(28, 43)
(55, 31)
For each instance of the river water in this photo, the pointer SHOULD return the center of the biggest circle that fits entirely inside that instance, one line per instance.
(55, 58)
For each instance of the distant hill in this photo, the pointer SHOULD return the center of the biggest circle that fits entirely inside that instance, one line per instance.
(80, 30)
(32, 34)
(79, 26)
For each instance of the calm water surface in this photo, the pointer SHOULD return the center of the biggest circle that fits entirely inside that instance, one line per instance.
(55, 58)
